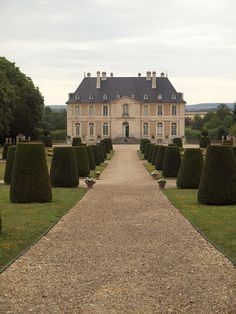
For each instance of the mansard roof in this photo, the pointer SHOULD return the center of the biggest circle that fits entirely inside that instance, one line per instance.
(133, 87)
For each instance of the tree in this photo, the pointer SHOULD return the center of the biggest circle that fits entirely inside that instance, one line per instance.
(222, 111)
(234, 113)
(197, 122)
(21, 102)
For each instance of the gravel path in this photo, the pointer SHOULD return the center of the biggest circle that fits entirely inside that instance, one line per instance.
(122, 249)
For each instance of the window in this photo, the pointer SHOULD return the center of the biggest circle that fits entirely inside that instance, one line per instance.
(159, 96)
(159, 111)
(77, 129)
(91, 129)
(173, 96)
(125, 110)
(105, 129)
(174, 111)
(145, 128)
(133, 96)
(77, 97)
(91, 110)
(105, 111)
(90, 97)
(174, 128)
(159, 128)
(77, 111)
(118, 96)
(145, 110)
(145, 97)
(105, 97)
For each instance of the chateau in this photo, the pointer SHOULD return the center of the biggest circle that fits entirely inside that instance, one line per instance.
(126, 109)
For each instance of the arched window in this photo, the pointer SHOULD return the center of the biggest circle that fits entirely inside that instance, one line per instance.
(159, 111)
(145, 128)
(145, 110)
(105, 111)
(105, 129)
(91, 129)
(174, 110)
(159, 128)
(77, 111)
(91, 111)
(125, 110)
(77, 129)
(173, 128)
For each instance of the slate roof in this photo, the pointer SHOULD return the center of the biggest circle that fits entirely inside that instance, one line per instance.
(125, 86)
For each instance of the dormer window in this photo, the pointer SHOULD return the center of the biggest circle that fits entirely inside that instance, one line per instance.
(145, 97)
(173, 96)
(159, 96)
(90, 97)
(133, 96)
(118, 96)
(77, 97)
(105, 97)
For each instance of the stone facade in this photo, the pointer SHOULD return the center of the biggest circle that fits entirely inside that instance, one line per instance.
(125, 118)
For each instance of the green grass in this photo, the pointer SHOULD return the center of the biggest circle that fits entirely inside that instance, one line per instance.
(141, 156)
(2, 169)
(25, 223)
(110, 155)
(217, 223)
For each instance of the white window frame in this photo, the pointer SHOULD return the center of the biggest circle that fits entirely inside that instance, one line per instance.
(125, 110)
(145, 133)
(145, 110)
(162, 128)
(103, 107)
(77, 129)
(91, 124)
(105, 125)
(89, 112)
(171, 125)
(172, 107)
(77, 111)
(162, 110)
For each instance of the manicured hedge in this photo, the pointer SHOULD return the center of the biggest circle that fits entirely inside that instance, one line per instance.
(147, 148)
(171, 162)
(218, 180)
(104, 150)
(101, 151)
(97, 156)
(82, 160)
(76, 141)
(160, 157)
(107, 144)
(178, 141)
(5, 149)
(64, 172)
(92, 164)
(30, 179)
(154, 154)
(204, 142)
(234, 151)
(191, 169)
(144, 142)
(9, 164)
(149, 159)
(47, 141)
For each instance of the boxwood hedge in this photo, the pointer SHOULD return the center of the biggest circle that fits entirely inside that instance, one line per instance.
(160, 157)
(171, 162)
(82, 160)
(9, 164)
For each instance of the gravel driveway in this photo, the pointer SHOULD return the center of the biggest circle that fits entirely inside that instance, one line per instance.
(122, 249)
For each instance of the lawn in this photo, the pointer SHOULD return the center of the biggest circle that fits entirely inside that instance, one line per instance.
(216, 223)
(23, 224)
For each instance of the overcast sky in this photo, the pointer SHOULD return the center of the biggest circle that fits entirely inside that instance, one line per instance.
(56, 41)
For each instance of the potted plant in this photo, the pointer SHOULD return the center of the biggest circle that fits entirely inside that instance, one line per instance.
(90, 182)
(97, 174)
(154, 174)
(162, 183)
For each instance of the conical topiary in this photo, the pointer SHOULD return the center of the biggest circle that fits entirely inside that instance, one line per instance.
(9, 164)
(81, 155)
(64, 171)
(107, 144)
(101, 151)
(76, 141)
(149, 159)
(160, 157)
(5, 149)
(104, 150)
(218, 180)
(147, 148)
(171, 162)
(144, 145)
(97, 156)
(190, 169)
(204, 141)
(234, 151)
(91, 158)
(154, 154)
(178, 141)
(30, 179)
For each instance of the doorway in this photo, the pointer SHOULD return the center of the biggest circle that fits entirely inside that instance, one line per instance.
(125, 129)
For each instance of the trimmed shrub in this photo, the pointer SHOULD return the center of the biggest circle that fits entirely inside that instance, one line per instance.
(9, 164)
(178, 141)
(92, 164)
(104, 150)
(107, 144)
(64, 172)
(5, 149)
(30, 180)
(234, 151)
(204, 142)
(160, 157)
(47, 141)
(97, 156)
(82, 160)
(154, 154)
(76, 141)
(190, 169)
(147, 148)
(218, 180)
(145, 141)
(171, 162)
(228, 142)
(149, 159)
(101, 151)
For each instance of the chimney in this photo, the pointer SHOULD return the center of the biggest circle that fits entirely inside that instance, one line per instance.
(71, 95)
(104, 76)
(98, 83)
(111, 74)
(148, 78)
(88, 74)
(162, 74)
(181, 95)
(154, 82)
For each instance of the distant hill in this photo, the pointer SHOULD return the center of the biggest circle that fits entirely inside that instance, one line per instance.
(57, 107)
(206, 106)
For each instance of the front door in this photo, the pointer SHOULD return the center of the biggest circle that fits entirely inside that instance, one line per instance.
(125, 129)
